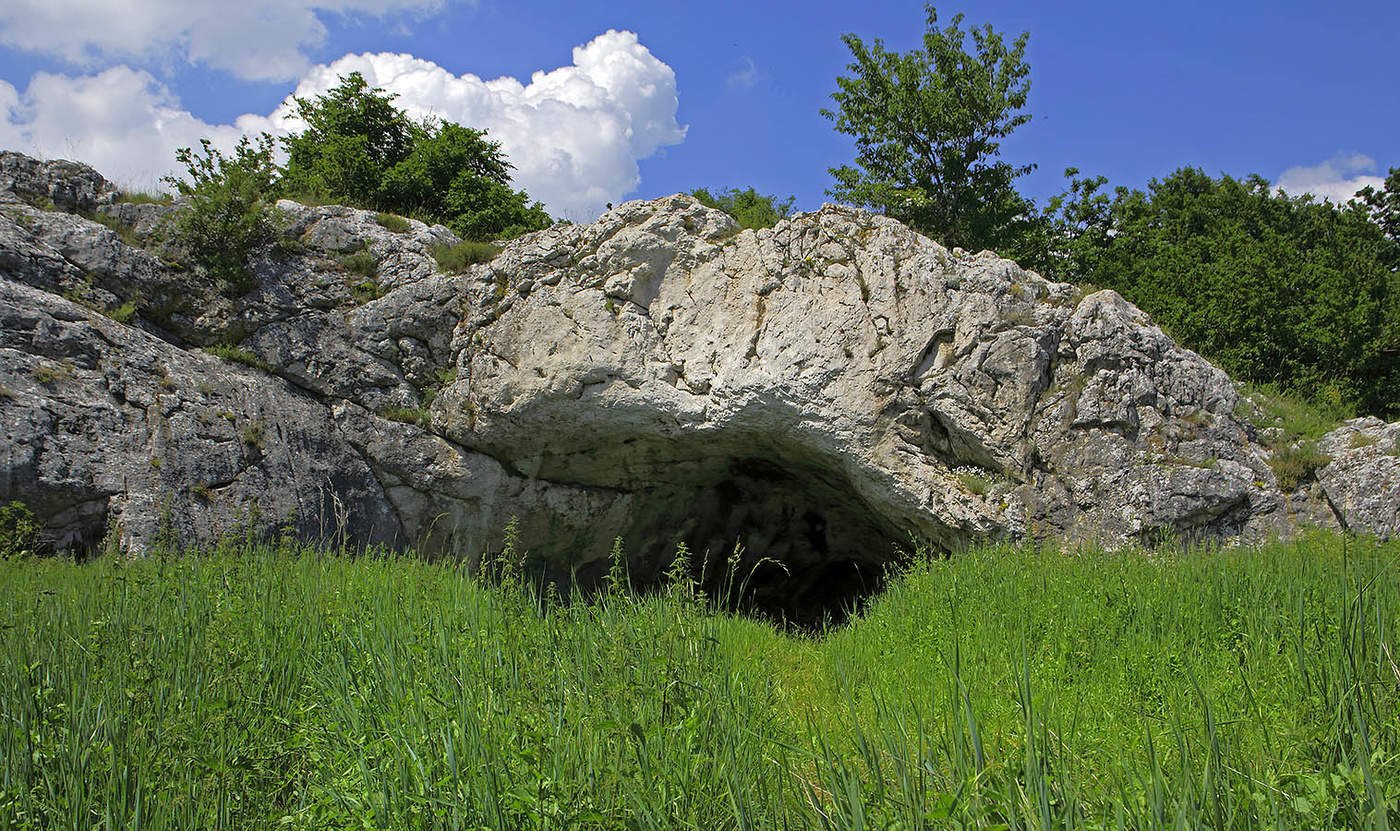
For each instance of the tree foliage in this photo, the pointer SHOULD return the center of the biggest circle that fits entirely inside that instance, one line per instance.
(928, 126)
(1384, 205)
(1277, 289)
(359, 148)
(229, 205)
(749, 207)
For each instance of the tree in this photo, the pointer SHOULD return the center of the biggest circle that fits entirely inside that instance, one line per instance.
(928, 126)
(1384, 204)
(751, 208)
(1277, 289)
(359, 148)
(457, 176)
(229, 208)
(354, 134)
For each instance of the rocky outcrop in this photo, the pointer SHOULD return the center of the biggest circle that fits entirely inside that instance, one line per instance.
(822, 394)
(1361, 478)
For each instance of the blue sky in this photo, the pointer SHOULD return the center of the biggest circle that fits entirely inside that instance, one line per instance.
(713, 94)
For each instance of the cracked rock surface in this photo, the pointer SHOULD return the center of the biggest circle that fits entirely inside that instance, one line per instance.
(822, 394)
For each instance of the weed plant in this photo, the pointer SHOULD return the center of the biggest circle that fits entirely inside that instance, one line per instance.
(275, 685)
(392, 222)
(238, 355)
(459, 257)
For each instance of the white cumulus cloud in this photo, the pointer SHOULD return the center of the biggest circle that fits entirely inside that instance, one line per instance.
(254, 39)
(122, 121)
(1337, 179)
(575, 134)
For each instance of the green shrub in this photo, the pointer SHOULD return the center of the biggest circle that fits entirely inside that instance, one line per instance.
(407, 415)
(454, 258)
(362, 263)
(1274, 288)
(366, 291)
(125, 313)
(287, 246)
(238, 355)
(19, 531)
(229, 211)
(749, 207)
(392, 222)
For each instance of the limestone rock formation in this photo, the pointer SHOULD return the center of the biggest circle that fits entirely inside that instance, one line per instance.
(822, 394)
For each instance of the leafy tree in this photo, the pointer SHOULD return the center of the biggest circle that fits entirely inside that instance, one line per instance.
(229, 209)
(751, 208)
(354, 134)
(360, 148)
(1384, 204)
(456, 176)
(1277, 289)
(928, 126)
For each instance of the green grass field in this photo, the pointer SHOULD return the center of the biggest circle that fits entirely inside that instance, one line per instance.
(258, 687)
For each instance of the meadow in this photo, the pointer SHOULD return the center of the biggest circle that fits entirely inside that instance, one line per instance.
(257, 685)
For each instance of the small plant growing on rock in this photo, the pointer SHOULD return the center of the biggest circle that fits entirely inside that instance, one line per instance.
(362, 263)
(366, 291)
(407, 415)
(973, 483)
(252, 435)
(392, 223)
(53, 373)
(125, 313)
(1296, 463)
(459, 257)
(1359, 440)
(139, 197)
(238, 355)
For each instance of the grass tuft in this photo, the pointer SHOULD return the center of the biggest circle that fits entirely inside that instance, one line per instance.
(407, 415)
(393, 223)
(362, 263)
(459, 257)
(238, 355)
(1295, 464)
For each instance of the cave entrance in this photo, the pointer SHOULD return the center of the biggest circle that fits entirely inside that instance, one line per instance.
(789, 543)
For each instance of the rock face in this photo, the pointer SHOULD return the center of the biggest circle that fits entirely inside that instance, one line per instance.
(822, 394)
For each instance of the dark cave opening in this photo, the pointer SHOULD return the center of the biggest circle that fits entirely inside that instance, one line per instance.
(790, 543)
